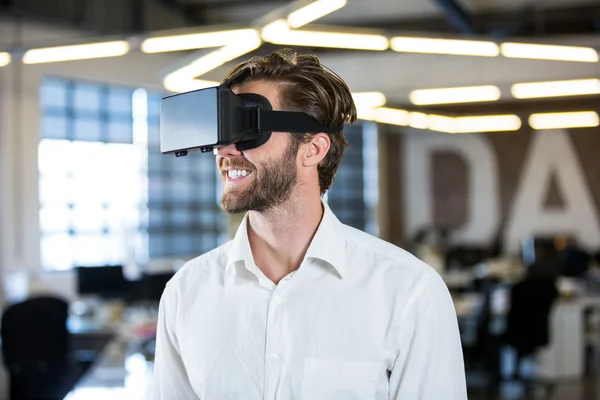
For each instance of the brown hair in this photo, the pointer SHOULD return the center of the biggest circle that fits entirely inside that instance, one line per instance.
(307, 86)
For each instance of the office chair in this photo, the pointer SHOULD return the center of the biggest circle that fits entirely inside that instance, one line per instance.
(528, 320)
(35, 345)
(576, 262)
(482, 357)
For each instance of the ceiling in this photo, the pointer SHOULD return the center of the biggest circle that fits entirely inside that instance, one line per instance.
(574, 22)
(498, 17)
(394, 74)
(483, 17)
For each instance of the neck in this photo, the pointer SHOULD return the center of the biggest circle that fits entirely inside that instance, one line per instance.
(280, 237)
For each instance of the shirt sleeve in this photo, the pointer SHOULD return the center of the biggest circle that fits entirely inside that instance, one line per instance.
(170, 379)
(429, 365)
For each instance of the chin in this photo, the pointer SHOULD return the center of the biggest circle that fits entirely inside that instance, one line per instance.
(231, 204)
(234, 210)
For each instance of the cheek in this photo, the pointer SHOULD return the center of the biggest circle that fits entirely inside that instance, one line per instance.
(255, 158)
(276, 144)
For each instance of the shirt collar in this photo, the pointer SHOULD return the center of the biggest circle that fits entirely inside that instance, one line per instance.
(328, 244)
(240, 250)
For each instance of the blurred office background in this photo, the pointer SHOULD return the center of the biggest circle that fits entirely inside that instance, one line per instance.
(477, 149)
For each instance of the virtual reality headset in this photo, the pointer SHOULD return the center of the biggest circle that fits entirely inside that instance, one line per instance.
(202, 120)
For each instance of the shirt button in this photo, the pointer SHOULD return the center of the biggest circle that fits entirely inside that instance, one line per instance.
(277, 299)
(274, 356)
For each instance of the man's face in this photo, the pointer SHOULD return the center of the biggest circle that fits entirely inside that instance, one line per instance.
(260, 178)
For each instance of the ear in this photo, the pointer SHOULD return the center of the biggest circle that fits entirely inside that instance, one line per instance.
(316, 150)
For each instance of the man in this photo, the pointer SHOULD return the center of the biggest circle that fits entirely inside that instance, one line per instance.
(299, 305)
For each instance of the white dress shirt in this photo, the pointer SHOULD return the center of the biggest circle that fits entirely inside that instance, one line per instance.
(360, 319)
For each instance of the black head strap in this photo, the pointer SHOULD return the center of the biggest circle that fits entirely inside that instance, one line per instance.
(290, 121)
(254, 102)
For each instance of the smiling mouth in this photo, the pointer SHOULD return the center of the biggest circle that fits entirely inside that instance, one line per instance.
(235, 175)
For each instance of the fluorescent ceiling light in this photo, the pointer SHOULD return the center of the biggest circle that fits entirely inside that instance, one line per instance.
(455, 95)
(278, 32)
(76, 52)
(178, 85)
(227, 53)
(445, 46)
(195, 40)
(276, 28)
(556, 88)
(473, 124)
(549, 52)
(418, 120)
(385, 115)
(367, 100)
(441, 123)
(314, 11)
(184, 77)
(4, 59)
(487, 123)
(580, 119)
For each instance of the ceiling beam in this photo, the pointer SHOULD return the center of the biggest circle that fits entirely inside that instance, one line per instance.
(5, 4)
(457, 16)
(559, 104)
(181, 8)
(203, 4)
(580, 20)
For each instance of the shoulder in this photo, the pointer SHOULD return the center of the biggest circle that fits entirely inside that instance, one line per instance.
(394, 266)
(384, 253)
(414, 289)
(197, 278)
(204, 269)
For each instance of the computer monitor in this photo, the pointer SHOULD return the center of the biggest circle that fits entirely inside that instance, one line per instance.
(106, 281)
(151, 286)
(538, 249)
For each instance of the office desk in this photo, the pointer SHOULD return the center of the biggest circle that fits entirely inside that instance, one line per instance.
(121, 372)
(564, 357)
(123, 369)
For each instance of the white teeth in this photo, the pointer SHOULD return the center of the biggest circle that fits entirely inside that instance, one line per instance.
(236, 173)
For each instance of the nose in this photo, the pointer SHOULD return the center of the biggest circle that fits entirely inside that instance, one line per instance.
(228, 151)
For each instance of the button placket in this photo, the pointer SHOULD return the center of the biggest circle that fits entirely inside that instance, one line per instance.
(272, 351)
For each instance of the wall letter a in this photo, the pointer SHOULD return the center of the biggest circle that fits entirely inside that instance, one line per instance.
(552, 152)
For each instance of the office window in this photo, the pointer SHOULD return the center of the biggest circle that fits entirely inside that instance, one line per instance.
(90, 187)
(107, 194)
(353, 197)
(183, 197)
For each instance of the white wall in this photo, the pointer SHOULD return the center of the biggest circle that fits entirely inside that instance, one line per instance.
(19, 138)
(550, 153)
